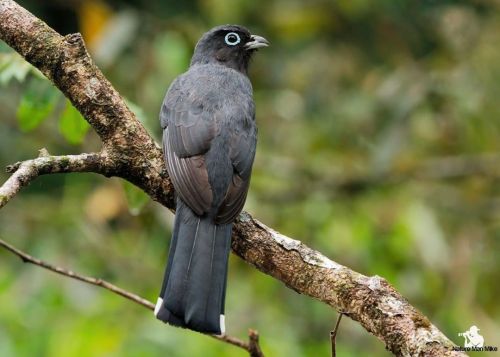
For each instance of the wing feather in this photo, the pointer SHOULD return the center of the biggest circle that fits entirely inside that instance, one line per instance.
(189, 176)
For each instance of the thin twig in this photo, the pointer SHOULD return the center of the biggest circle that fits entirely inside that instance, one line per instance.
(333, 335)
(26, 258)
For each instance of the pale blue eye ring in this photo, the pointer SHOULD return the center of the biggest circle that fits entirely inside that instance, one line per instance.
(232, 38)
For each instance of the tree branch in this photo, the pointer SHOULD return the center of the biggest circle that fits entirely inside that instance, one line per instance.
(25, 172)
(133, 155)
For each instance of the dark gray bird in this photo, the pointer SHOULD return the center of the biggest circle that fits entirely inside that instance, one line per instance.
(209, 138)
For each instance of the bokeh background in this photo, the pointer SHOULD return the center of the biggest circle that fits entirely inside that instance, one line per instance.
(378, 145)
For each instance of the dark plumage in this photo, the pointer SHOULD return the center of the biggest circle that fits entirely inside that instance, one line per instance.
(209, 138)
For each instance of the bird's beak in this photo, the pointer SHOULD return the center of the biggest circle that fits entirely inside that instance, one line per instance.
(256, 42)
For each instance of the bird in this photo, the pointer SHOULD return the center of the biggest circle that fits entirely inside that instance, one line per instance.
(209, 141)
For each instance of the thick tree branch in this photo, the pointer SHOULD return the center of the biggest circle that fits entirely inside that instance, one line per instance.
(371, 301)
(132, 154)
(253, 338)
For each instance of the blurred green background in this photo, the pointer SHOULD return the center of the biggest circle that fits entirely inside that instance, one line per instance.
(378, 145)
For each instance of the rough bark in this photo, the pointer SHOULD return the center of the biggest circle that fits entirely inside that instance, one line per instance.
(129, 152)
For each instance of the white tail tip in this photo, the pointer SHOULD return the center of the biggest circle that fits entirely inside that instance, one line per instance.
(159, 303)
(222, 324)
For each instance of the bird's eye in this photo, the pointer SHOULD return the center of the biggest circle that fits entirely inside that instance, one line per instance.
(232, 38)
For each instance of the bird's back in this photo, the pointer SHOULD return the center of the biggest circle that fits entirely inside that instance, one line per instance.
(213, 107)
(216, 88)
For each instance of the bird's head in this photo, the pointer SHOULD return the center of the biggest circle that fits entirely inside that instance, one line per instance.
(229, 45)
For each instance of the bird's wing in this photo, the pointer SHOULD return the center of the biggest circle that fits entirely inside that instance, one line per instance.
(188, 131)
(189, 176)
(242, 152)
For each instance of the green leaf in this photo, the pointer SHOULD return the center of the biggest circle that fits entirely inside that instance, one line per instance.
(37, 103)
(72, 125)
(136, 198)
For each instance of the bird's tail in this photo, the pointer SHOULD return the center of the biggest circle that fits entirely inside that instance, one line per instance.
(194, 285)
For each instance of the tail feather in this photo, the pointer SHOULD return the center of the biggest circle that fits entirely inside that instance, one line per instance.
(227, 249)
(193, 289)
(171, 253)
